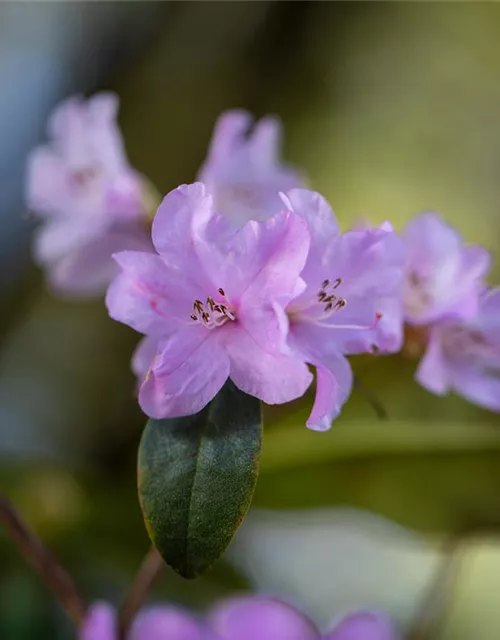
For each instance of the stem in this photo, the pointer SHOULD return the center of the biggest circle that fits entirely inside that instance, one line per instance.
(430, 614)
(375, 404)
(35, 552)
(147, 574)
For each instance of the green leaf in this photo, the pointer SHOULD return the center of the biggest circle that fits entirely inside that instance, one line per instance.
(196, 479)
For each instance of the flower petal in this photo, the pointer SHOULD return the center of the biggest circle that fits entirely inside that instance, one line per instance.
(88, 269)
(262, 260)
(262, 619)
(333, 387)
(182, 212)
(189, 370)
(143, 356)
(432, 372)
(271, 377)
(166, 623)
(148, 296)
(477, 386)
(364, 626)
(100, 623)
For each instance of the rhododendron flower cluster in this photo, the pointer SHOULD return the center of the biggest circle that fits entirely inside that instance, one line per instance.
(452, 311)
(245, 618)
(89, 199)
(256, 304)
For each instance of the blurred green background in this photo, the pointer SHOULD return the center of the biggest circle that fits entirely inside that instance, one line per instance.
(390, 109)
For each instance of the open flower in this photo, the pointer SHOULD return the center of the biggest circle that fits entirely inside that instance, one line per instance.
(243, 170)
(91, 202)
(443, 276)
(464, 356)
(351, 302)
(211, 299)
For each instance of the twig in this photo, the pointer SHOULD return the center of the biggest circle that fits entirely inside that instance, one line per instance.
(147, 574)
(375, 404)
(430, 613)
(35, 552)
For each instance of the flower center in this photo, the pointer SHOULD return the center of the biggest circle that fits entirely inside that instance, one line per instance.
(213, 313)
(417, 295)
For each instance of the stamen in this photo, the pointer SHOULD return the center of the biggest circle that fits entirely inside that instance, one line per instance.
(222, 292)
(211, 313)
(325, 284)
(361, 327)
(337, 283)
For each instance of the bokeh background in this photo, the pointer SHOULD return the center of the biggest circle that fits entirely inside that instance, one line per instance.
(390, 109)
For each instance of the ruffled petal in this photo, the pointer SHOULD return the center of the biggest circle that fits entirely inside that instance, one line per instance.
(477, 386)
(269, 376)
(262, 260)
(364, 626)
(262, 619)
(148, 296)
(189, 370)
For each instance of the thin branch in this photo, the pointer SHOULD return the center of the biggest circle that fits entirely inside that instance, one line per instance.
(35, 552)
(147, 574)
(375, 404)
(431, 612)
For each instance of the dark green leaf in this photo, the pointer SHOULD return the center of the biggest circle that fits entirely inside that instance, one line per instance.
(196, 479)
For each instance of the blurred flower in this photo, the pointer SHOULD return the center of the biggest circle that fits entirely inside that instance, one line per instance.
(243, 618)
(464, 356)
(351, 302)
(249, 618)
(211, 298)
(243, 170)
(158, 623)
(91, 202)
(443, 277)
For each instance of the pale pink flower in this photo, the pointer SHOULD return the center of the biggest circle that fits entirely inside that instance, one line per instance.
(464, 356)
(89, 199)
(252, 618)
(211, 298)
(443, 276)
(351, 302)
(243, 170)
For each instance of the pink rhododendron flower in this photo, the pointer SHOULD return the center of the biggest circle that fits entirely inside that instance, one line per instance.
(351, 302)
(253, 618)
(211, 299)
(464, 356)
(243, 170)
(91, 202)
(241, 618)
(443, 277)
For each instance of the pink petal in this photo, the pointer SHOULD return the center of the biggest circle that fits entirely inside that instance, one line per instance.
(432, 372)
(260, 619)
(311, 206)
(143, 357)
(100, 623)
(476, 386)
(148, 295)
(333, 387)
(183, 212)
(167, 623)
(89, 268)
(364, 626)
(271, 377)
(46, 188)
(262, 260)
(189, 370)
(229, 131)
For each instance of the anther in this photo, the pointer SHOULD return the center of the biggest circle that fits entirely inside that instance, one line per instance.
(193, 317)
(337, 283)
(341, 302)
(211, 303)
(325, 284)
(222, 292)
